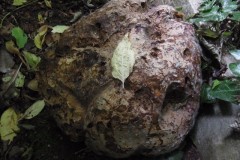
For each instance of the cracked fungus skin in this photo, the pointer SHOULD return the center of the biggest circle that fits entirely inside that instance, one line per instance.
(156, 109)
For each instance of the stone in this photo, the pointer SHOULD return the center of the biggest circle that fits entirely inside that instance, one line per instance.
(157, 107)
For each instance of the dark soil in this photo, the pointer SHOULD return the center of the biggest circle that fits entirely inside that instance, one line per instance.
(45, 141)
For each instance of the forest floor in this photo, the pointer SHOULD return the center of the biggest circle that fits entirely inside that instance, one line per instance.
(42, 139)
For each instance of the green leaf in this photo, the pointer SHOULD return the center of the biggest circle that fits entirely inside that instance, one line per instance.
(19, 82)
(235, 68)
(18, 2)
(59, 28)
(123, 60)
(215, 83)
(208, 33)
(210, 16)
(235, 53)
(236, 16)
(48, 3)
(6, 78)
(179, 9)
(228, 6)
(226, 34)
(227, 90)
(38, 41)
(40, 37)
(205, 94)
(207, 5)
(9, 125)
(215, 11)
(32, 60)
(214, 15)
(34, 109)
(20, 36)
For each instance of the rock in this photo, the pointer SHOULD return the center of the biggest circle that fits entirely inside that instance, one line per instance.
(156, 109)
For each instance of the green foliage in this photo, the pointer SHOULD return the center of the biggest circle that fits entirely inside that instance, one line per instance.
(208, 33)
(235, 68)
(216, 24)
(18, 82)
(40, 37)
(210, 19)
(18, 2)
(10, 120)
(228, 6)
(9, 125)
(34, 109)
(20, 36)
(206, 97)
(236, 16)
(207, 5)
(59, 28)
(226, 90)
(216, 11)
(32, 60)
(215, 84)
(48, 3)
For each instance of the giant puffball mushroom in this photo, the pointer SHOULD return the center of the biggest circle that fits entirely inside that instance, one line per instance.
(157, 106)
